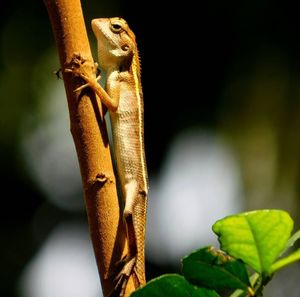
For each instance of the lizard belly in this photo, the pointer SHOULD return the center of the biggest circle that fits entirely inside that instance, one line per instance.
(129, 148)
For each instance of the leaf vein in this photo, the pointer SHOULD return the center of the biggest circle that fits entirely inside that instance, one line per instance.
(256, 243)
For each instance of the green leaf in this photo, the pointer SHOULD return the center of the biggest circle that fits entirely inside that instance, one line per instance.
(172, 285)
(211, 268)
(256, 237)
(293, 257)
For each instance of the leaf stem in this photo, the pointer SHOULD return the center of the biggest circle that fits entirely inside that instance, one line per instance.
(286, 261)
(291, 241)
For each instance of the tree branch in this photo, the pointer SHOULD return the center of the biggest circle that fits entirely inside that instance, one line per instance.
(89, 132)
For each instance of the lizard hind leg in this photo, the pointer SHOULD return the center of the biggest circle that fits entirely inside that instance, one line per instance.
(128, 263)
(131, 193)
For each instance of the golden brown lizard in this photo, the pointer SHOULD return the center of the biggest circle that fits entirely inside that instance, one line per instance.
(118, 58)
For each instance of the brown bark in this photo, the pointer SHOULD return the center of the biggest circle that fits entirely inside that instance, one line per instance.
(90, 136)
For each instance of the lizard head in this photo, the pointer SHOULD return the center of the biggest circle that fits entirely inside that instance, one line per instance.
(116, 42)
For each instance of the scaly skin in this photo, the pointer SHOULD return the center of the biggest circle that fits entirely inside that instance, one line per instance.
(118, 58)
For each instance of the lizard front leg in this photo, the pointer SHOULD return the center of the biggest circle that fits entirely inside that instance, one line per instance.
(83, 68)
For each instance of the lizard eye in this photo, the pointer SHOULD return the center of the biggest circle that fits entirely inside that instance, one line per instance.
(116, 28)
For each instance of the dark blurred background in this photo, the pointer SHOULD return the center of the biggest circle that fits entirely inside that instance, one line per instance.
(221, 84)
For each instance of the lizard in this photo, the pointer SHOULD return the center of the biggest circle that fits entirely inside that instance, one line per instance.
(118, 58)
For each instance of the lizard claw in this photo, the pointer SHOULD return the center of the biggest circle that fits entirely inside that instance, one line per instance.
(81, 87)
(57, 73)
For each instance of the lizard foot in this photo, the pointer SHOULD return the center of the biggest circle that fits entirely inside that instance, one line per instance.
(86, 69)
(122, 278)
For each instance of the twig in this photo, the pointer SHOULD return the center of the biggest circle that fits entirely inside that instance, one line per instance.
(89, 132)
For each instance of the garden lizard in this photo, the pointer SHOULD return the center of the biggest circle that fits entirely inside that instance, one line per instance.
(118, 58)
